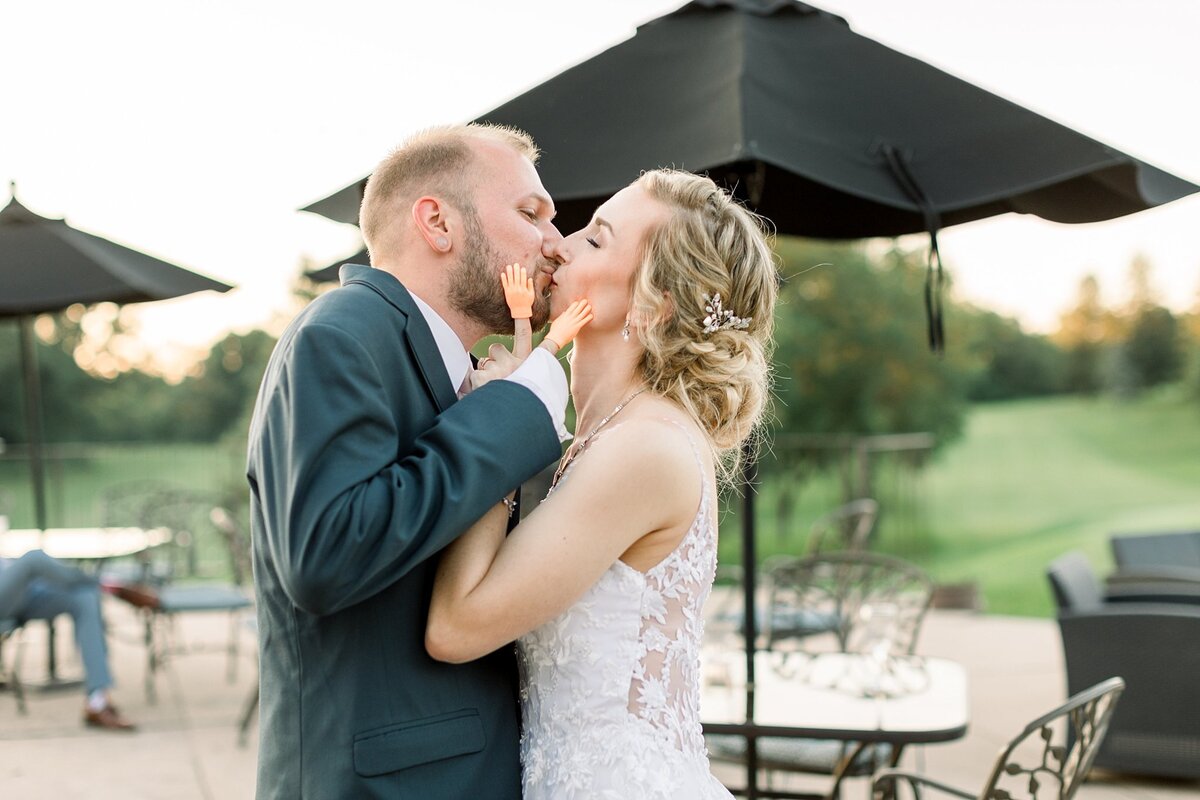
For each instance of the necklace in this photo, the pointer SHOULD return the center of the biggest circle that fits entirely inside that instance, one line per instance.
(574, 452)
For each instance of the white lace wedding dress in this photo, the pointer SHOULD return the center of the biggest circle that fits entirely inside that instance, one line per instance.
(610, 690)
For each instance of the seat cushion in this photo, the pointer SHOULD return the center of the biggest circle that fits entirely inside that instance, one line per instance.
(202, 597)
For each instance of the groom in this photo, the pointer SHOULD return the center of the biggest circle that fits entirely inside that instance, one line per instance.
(363, 464)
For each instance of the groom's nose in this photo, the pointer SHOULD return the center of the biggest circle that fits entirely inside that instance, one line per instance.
(554, 250)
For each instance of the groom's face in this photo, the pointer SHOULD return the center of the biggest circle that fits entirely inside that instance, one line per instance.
(511, 225)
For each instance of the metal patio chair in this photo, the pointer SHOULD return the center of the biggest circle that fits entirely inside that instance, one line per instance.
(844, 602)
(1050, 758)
(847, 528)
(846, 595)
(10, 678)
(200, 519)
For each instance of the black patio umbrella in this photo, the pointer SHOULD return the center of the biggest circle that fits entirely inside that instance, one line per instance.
(45, 266)
(825, 132)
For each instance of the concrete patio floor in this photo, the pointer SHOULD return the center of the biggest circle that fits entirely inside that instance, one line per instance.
(186, 747)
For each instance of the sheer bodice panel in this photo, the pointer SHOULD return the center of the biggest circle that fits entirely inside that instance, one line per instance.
(610, 688)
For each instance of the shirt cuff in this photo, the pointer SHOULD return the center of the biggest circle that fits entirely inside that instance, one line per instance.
(543, 375)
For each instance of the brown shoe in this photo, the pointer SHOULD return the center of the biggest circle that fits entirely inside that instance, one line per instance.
(108, 718)
(135, 595)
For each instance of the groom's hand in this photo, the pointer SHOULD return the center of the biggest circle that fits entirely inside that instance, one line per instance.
(497, 364)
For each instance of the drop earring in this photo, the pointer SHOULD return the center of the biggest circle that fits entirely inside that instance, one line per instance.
(625, 330)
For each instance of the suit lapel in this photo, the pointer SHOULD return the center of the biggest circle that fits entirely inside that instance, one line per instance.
(417, 334)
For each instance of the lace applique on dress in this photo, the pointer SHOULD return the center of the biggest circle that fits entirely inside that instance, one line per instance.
(610, 689)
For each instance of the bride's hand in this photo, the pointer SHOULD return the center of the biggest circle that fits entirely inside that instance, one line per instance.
(497, 364)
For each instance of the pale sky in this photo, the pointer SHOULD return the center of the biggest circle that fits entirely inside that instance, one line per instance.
(194, 131)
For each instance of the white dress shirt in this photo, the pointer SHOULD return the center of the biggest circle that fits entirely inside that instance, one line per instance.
(540, 373)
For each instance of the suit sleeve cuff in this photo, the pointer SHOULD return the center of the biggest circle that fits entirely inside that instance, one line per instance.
(543, 375)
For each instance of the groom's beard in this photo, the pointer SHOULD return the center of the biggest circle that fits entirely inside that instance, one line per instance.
(475, 288)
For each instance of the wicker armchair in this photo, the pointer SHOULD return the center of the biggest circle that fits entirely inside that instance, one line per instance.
(1155, 646)
(1169, 560)
(1156, 649)
(1150, 550)
(1053, 752)
(1076, 587)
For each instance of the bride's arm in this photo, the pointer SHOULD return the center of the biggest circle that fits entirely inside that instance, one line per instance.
(490, 589)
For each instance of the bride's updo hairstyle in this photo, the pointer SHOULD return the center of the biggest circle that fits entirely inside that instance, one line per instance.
(709, 246)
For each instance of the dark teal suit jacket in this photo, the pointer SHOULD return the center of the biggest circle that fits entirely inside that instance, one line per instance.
(362, 466)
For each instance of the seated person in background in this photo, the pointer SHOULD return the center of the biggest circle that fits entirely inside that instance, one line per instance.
(38, 586)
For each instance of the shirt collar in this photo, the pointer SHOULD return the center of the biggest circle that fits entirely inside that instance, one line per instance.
(454, 355)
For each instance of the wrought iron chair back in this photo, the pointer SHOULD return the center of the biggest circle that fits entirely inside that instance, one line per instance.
(846, 528)
(154, 504)
(1050, 758)
(852, 602)
(207, 546)
(1060, 757)
(859, 598)
(237, 544)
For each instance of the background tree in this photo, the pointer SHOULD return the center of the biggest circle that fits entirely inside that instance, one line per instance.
(1191, 326)
(219, 399)
(1082, 334)
(851, 349)
(1151, 349)
(1012, 363)
(83, 405)
(1153, 352)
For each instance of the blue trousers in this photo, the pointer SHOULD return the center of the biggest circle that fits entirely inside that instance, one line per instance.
(38, 586)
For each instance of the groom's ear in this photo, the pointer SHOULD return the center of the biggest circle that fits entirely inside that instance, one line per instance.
(430, 217)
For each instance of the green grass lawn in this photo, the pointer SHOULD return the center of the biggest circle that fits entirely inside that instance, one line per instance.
(1031, 480)
(78, 475)
(1027, 481)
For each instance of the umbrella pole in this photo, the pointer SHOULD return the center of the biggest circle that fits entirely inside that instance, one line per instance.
(33, 418)
(750, 626)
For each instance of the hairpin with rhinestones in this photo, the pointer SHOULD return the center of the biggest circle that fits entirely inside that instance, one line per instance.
(719, 319)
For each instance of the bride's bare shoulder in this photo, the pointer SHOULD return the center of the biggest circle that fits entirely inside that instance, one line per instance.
(657, 452)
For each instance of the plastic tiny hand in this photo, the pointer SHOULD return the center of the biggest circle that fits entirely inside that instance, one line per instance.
(564, 329)
(518, 291)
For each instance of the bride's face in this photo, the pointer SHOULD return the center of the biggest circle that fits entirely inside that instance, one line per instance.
(598, 262)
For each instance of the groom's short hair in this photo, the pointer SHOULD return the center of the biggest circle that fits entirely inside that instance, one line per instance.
(435, 161)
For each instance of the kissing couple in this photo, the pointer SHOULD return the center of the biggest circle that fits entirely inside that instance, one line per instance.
(392, 575)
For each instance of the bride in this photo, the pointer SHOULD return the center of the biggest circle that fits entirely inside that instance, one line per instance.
(603, 585)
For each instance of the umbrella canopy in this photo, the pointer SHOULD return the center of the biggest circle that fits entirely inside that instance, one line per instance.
(825, 132)
(46, 265)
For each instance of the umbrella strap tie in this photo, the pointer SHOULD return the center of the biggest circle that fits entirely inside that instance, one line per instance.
(934, 274)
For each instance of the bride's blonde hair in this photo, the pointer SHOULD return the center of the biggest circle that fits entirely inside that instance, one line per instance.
(709, 245)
